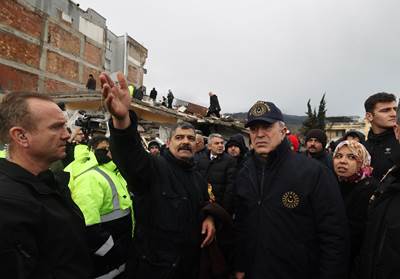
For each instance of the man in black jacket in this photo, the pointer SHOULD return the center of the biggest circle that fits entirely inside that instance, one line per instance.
(42, 231)
(315, 147)
(219, 170)
(214, 107)
(168, 193)
(380, 254)
(380, 111)
(91, 83)
(236, 147)
(290, 220)
(153, 94)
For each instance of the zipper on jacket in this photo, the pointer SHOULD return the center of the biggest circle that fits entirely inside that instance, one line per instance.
(22, 251)
(262, 185)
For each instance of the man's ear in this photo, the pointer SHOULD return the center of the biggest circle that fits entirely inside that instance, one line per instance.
(396, 129)
(369, 116)
(18, 136)
(284, 131)
(167, 143)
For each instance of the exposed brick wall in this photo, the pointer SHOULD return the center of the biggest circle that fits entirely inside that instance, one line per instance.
(16, 80)
(140, 79)
(19, 50)
(132, 74)
(63, 39)
(93, 54)
(52, 85)
(20, 18)
(62, 66)
(94, 72)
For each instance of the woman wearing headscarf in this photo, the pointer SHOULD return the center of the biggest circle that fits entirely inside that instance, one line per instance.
(351, 162)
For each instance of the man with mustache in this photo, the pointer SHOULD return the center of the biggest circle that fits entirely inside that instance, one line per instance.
(315, 147)
(169, 195)
(290, 220)
(380, 111)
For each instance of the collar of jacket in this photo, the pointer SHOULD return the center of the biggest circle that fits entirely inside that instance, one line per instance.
(217, 157)
(44, 183)
(186, 165)
(276, 155)
(110, 166)
(317, 155)
(380, 137)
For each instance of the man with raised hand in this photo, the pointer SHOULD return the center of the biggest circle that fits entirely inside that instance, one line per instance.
(169, 194)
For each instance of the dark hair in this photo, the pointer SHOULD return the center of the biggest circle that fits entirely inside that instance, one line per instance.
(199, 132)
(381, 97)
(14, 111)
(398, 114)
(94, 142)
(183, 126)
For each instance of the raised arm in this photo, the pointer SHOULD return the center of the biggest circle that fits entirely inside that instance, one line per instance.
(134, 162)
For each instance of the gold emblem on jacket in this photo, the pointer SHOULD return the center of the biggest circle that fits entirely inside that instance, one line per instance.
(290, 200)
(259, 109)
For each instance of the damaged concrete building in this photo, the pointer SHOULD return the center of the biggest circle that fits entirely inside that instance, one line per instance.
(51, 47)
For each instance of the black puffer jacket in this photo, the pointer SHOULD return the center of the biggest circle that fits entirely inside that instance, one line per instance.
(238, 140)
(168, 197)
(380, 148)
(356, 197)
(380, 254)
(323, 157)
(220, 173)
(290, 219)
(214, 104)
(42, 231)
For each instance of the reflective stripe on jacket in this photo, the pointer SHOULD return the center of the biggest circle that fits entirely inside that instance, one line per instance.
(101, 193)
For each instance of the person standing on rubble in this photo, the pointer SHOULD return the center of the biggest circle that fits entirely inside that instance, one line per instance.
(214, 108)
(170, 98)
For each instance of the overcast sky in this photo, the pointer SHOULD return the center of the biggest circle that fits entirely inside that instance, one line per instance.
(284, 51)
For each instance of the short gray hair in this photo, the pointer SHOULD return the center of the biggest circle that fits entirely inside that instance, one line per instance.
(281, 124)
(214, 135)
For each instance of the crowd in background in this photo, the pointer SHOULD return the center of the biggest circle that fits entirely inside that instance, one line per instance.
(197, 206)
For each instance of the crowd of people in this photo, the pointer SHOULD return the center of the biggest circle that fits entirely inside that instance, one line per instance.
(198, 207)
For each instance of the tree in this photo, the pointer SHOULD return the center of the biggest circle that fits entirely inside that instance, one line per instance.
(321, 113)
(314, 120)
(311, 120)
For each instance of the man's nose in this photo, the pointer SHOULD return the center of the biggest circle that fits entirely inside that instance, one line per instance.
(65, 134)
(260, 133)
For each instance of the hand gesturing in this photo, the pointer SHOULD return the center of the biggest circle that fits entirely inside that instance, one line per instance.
(117, 99)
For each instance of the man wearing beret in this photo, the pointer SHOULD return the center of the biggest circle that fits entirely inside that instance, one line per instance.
(315, 145)
(290, 220)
